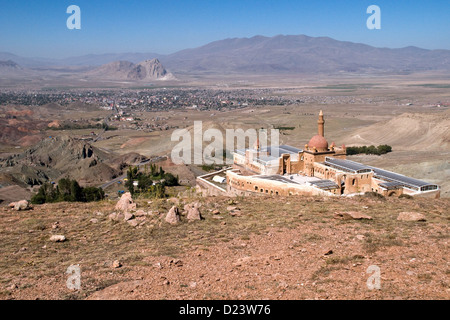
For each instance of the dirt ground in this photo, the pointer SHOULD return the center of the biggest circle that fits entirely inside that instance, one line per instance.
(273, 248)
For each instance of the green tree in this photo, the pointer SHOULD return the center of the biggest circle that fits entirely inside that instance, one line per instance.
(132, 174)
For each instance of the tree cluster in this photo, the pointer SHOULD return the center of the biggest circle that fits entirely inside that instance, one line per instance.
(67, 190)
(151, 183)
(381, 149)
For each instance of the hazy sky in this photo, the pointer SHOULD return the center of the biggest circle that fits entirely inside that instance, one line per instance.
(38, 28)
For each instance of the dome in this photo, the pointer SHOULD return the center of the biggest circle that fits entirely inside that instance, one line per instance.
(318, 142)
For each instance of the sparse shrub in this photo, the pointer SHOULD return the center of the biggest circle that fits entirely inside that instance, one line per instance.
(374, 195)
(405, 196)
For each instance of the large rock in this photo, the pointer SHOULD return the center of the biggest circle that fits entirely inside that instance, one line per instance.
(125, 203)
(20, 205)
(58, 238)
(173, 216)
(194, 214)
(411, 216)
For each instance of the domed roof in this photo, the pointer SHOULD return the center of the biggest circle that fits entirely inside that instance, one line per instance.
(318, 142)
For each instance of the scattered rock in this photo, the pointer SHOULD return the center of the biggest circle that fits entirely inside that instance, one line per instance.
(58, 238)
(176, 262)
(327, 253)
(128, 216)
(125, 203)
(133, 222)
(173, 216)
(12, 287)
(360, 237)
(411, 216)
(93, 220)
(140, 213)
(116, 264)
(55, 225)
(115, 216)
(351, 215)
(215, 212)
(235, 213)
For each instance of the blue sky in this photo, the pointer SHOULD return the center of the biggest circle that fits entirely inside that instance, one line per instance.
(38, 28)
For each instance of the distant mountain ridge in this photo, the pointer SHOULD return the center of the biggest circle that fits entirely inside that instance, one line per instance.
(303, 54)
(292, 54)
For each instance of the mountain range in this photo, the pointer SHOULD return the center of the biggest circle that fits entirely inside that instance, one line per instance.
(282, 54)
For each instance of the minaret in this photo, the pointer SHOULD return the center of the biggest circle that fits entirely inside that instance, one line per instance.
(321, 123)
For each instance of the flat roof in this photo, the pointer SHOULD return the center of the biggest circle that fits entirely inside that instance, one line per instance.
(273, 149)
(388, 176)
(391, 185)
(324, 184)
(282, 149)
(347, 165)
(401, 179)
(276, 177)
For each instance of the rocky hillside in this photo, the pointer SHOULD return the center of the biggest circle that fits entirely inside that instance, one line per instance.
(58, 157)
(10, 68)
(409, 131)
(250, 248)
(147, 70)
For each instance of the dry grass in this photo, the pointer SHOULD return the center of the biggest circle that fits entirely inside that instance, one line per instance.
(26, 262)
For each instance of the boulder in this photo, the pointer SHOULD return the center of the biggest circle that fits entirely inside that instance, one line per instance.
(58, 238)
(126, 203)
(194, 214)
(411, 216)
(173, 216)
(21, 205)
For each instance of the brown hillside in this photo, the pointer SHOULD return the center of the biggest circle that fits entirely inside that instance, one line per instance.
(407, 132)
